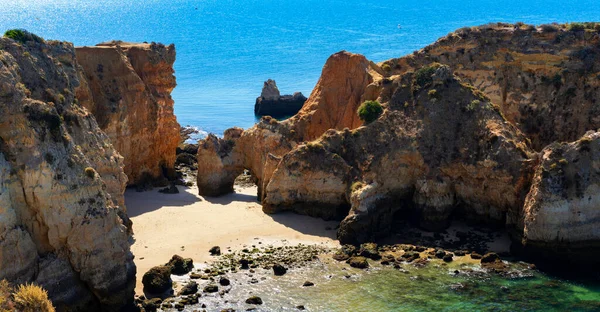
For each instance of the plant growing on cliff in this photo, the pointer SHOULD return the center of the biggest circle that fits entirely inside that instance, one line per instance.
(90, 172)
(423, 76)
(6, 304)
(369, 111)
(22, 36)
(32, 298)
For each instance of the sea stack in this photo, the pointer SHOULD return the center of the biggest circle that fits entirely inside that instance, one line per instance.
(272, 103)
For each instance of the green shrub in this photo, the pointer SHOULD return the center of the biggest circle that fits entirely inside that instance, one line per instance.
(548, 28)
(22, 36)
(424, 75)
(576, 27)
(369, 111)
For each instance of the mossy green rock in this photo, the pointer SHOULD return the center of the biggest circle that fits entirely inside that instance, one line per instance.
(157, 280)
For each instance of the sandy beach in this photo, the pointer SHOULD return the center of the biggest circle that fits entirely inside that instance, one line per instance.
(189, 225)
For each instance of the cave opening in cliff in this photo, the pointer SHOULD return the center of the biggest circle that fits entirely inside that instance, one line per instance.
(246, 179)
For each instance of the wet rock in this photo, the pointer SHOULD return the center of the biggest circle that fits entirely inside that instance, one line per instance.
(151, 305)
(223, 281)
(157, 280)
(476, 256)
(180, 266)
(211, 288)
(308, 283)
(410, 256)
(244, 263)
(489, 258)
(189, 289)
(447, 258)
(344, 253)
(279, 269)
(358, 262)
(254, 300)
(369, 250)
(300, 307)
(215, 251)
(440, 254)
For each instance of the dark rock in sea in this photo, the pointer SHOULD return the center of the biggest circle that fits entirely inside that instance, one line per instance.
(180, 266)
(151, 305)
(369, 250)
(254, 300)
(279, 269)
(308, 283)
(244, 263)
(344, 253)
(271, 103)
(447, 258)
(157, 280)
(475, 256)
(490, 257)
(224, 281)
(215, 251)
(189, 289)
(358, 262)
(211, 288)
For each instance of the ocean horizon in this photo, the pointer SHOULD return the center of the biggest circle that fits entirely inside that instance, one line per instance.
(227, 49)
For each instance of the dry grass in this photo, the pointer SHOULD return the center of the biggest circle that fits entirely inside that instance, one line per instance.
(5, 302)
(32, 298)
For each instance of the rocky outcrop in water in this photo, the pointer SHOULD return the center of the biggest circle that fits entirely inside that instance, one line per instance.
(127, 87)
(62, 222)
(271, 103)
(561, 211)
(445, 145)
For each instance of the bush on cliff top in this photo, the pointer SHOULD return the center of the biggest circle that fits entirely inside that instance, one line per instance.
(22, 36)
(369, 111)
(424, 75)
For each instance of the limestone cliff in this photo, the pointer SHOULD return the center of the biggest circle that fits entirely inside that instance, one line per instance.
(128, 88)
(62, 224)
(560, 216)
(544, 79)
(456, 136)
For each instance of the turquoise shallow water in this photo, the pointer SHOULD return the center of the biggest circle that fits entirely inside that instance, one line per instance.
(434, 287)
(227, 48)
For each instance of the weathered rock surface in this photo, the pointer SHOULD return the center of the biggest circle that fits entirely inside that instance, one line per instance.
(445, 145)
(561, 213)
(61, 184)
(545, 82)
(128, 89)
(271, 103)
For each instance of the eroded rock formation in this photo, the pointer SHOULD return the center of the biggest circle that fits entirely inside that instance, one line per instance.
(561, 213)
(544, 79)
(445, 144)
(128, 89)
(62, 223)
(271, 103)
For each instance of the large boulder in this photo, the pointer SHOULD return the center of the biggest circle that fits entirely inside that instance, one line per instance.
(62, 222)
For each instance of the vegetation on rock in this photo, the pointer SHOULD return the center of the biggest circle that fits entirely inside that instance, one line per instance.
(22, 36)
(369, 111)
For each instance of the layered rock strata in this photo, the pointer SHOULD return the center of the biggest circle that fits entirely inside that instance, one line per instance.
(271, 103)
(127, 87)
(445, 144)
(62, 223)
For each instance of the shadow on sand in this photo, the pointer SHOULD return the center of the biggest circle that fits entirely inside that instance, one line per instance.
(138, 203)
(232, 197)
(306, 225)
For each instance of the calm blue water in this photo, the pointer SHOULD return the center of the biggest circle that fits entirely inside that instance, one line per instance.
(226, 48)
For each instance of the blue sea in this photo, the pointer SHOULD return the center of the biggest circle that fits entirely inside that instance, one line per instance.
(226, 48)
